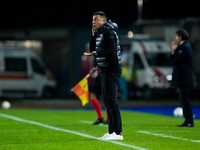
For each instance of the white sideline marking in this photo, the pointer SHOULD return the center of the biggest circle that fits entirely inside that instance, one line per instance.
(168, 136)
(68, 131)
(90, 122)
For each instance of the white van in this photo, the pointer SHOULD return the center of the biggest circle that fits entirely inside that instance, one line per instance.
(23, 74)
(150, 60)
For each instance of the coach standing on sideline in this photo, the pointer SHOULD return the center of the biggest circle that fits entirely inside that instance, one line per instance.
(182, 76)
(105, 47)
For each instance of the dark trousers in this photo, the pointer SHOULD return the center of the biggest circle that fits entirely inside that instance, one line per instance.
(184, 94)
(109, 85)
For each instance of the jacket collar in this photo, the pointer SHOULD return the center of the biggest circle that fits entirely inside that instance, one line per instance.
(108, 25)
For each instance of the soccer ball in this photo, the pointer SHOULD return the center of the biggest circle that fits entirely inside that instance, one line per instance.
(178, 112)
(5, 105)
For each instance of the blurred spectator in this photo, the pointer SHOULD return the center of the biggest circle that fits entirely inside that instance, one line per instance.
(127, 76)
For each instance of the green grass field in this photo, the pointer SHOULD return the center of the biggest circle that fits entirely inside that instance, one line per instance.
(38, 129)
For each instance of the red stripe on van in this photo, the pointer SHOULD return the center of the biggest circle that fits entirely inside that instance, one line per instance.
(143, 47)
(157, 72)
(13, 76)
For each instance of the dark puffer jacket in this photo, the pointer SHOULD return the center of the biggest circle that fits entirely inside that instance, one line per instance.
(106, 44)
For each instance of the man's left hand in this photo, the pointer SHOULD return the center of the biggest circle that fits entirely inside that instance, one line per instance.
(91, 54)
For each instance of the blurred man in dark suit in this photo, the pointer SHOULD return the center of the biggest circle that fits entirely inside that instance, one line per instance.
(182, 76)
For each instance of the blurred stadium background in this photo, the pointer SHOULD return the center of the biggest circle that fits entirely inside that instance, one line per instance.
(59, 30)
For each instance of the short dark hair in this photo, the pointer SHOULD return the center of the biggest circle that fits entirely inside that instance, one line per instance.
(101, 13)
(183, 33)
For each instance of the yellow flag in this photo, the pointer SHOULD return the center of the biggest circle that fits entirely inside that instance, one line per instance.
(81, 90)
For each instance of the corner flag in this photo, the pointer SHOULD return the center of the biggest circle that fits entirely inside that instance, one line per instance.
(81, 90)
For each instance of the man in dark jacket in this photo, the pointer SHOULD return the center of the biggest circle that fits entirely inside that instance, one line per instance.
(182, 76)
(105, 47)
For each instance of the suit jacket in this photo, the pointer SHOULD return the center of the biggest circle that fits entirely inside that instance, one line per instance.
(182, 75)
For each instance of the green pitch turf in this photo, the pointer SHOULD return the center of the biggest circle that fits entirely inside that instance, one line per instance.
(28, 129)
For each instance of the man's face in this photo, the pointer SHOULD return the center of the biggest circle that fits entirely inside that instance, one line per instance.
(97, 22)
(178, 39)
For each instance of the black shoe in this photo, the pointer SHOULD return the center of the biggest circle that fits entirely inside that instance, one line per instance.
(98, 121)
(106, 122)
(186, 125)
